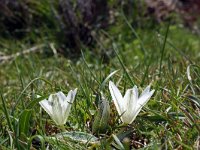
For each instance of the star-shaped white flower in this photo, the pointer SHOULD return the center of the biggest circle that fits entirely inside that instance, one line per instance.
(58, 106)
(130, 105)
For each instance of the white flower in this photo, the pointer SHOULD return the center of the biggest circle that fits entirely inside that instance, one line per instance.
(58, 106)
(130, 105)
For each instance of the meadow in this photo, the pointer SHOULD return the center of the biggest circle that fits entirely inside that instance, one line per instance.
(165, 56)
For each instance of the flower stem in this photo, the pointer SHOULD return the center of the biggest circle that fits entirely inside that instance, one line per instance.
(62, 127)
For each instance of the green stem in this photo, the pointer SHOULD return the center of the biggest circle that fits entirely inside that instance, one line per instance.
(62, 127)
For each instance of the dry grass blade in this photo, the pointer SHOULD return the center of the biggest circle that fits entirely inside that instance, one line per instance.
(23, 52)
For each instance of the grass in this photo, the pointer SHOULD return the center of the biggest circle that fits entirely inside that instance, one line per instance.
(170, 120)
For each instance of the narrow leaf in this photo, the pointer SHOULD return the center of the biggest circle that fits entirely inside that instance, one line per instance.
(24, 121)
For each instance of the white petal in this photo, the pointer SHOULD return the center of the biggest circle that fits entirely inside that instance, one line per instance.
(74, 93)
(66, 113)
(46, 105)
(57, 110)
(146, 90)
(130, 99)
(68, 100)
(61, 97)
(117, 98)
(70, 96)
(68, 103)
(135, 90)
(143, 100)
(50, 99)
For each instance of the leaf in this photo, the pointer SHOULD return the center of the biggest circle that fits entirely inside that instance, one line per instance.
(107, 78)
(195, 100)
(100, 124)
(119, 144)
(76, 136)
(24, 121)
(6, 112)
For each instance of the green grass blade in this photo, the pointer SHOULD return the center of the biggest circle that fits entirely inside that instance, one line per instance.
(122, 64)
(92, 74)
(107, 78)
(134, 32)
(163, 49)
(24, 121)
(30, 83)
(6, 112)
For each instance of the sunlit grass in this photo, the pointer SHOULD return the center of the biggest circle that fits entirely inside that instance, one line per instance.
(170, 120)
